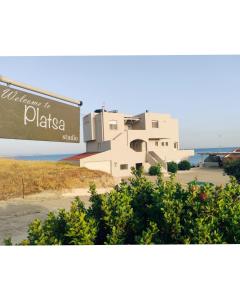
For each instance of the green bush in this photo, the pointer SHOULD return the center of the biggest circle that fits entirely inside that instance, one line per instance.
(155, 170)
(232, 168)
(172, 167)
(184, 165)
(139, 211)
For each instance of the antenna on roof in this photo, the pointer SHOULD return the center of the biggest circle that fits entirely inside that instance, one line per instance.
(103, 105)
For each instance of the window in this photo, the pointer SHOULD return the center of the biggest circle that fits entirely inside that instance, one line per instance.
(123, 167)
(156, 144)
(162, 143)
(113, 125)
(176, 145)
(166, 143)
(155, 124)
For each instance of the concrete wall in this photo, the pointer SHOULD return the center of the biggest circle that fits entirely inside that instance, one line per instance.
(89, 127)
(102, 165)
(179, 155)
(99, 130)
(92, 146)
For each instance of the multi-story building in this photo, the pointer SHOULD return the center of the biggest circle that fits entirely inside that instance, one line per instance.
(116, 142)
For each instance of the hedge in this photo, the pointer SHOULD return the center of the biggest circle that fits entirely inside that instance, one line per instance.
(139, 211)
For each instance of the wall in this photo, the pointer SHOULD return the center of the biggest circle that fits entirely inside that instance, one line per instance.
(94, 146)
(179, 155)
(168, 126)
(98, 128)
(107, 117)
(89, 127)
(102, 165)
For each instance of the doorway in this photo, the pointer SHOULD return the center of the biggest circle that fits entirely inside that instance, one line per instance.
(139, 166)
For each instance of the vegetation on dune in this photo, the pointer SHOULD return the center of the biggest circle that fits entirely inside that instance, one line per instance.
(142, 212)
(18, 178)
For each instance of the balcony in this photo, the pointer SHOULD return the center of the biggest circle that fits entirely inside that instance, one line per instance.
(131, 123)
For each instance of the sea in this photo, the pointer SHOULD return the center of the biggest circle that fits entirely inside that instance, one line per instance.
(46, 157)
(198, 158)
(194, 160)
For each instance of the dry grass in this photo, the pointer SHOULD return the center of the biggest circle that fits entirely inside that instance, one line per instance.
(32, 177)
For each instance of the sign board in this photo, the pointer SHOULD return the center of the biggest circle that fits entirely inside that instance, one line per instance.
(28, 116)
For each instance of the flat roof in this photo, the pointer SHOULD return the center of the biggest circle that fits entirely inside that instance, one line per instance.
(79, 156)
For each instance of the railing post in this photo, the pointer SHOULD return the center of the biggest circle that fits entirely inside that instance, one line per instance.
(23, 188)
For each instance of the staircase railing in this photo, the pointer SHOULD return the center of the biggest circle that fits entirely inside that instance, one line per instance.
(156, 159)
(117, 136)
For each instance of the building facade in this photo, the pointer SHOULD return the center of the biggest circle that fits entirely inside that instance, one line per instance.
(116, 142)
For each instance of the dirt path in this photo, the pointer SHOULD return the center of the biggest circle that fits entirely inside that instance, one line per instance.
(16, 214)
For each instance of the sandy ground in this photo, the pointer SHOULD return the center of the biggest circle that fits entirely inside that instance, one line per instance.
(16, 214)
(213, 175)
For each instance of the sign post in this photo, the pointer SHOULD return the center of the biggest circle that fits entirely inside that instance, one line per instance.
(28, 116)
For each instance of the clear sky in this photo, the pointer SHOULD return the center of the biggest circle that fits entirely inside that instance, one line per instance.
(203, 92)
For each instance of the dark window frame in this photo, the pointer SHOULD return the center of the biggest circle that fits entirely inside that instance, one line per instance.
(113, 126)
(123, 166)
(156, 122)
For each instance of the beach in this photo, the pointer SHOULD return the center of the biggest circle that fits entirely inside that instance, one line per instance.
(17, 213)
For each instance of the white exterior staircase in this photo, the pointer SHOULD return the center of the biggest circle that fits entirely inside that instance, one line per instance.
(153, 159)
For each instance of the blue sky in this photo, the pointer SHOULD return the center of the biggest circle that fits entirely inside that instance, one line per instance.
(203, 92)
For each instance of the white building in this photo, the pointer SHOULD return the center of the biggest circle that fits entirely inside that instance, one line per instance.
(116, 142)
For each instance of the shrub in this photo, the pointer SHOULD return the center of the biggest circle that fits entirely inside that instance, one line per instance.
(140, 211)
(232, 168)
(74, 227)
(155, 170)
(7, 242)
(184, 165)
(172, 167)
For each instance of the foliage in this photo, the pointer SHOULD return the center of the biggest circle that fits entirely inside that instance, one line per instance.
(172, 167)
(64, 228)
(155, 170)
(140, 211)
(232, 168)
(7, 242)
(184, 165)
